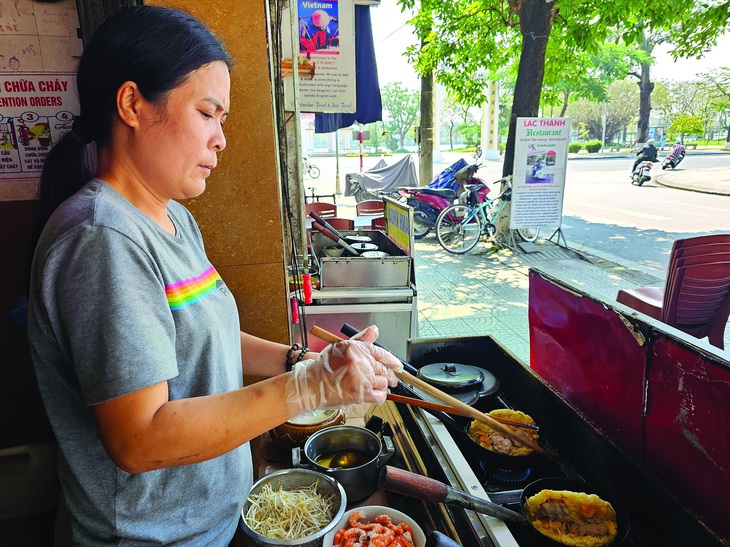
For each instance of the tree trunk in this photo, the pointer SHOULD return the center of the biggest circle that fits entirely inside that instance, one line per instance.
(536, 17)
(727, 139)
(646, 86)
(425, 171)
(566, 96)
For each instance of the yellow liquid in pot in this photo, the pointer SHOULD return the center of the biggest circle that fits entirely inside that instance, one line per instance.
(343, 459)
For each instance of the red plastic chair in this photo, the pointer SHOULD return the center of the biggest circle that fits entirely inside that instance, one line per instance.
(378, 223)
(650, 300)
(695, 297)
(339, 223)
(699, 301)
(369, 207)
(322, 208)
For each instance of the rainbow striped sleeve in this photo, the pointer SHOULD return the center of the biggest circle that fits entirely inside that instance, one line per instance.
(188, 291)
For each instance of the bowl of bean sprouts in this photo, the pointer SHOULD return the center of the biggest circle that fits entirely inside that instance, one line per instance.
(296, 507)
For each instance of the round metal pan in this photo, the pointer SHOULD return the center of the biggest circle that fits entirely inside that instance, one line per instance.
(562, 483)
(432, 490)
(460, 428)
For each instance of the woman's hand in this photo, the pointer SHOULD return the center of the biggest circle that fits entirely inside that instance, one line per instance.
(345, 373)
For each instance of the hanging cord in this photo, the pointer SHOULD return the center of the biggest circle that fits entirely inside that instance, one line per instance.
(297, 267)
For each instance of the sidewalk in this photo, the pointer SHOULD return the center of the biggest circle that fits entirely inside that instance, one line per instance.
(486, 291)
(710, 180)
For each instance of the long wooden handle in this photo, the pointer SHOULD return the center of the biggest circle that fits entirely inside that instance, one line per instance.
(445, 397)
(451, 410)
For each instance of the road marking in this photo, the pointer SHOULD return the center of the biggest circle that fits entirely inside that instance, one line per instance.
(621, 211)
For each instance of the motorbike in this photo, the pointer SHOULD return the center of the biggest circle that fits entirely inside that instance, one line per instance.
(642, 173)
(429, 201)
(671, 161)
(381, 180)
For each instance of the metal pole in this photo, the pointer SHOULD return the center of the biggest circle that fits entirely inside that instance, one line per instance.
(294, 24)
(338, 190)
(603, 136)
(361, 150)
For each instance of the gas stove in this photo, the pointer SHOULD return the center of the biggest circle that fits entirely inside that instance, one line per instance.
(427, 446)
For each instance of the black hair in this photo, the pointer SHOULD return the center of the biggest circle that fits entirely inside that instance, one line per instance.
(157, 48)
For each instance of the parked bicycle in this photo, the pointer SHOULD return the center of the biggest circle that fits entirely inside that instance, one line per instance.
(309, 168)
(460, 226)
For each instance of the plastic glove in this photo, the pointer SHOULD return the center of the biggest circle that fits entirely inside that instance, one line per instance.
(345, 373)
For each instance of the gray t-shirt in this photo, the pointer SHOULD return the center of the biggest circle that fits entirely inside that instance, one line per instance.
(118, 304)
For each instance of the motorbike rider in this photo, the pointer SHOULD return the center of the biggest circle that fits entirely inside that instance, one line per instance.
(678, 150)
(647, 153)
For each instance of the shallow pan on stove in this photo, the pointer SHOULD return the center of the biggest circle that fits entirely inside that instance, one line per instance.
(562, 483)
(460, 428)
(431, 490)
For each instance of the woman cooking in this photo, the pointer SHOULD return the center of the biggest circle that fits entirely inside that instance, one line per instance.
(134, 335)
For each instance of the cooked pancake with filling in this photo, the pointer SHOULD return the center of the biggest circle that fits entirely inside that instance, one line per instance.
(572, 518)
(496, 441)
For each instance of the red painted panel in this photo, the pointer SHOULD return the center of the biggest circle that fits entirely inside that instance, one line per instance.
(688, 429)
(585, 351)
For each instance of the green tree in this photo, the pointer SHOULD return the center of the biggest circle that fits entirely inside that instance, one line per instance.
(462, 38)
(686, 124)
(621, 109)
(455, 116)
(688, 98)
(592, 74)
(471, 131)
(402, 106)
(377, 133)
(719, 87)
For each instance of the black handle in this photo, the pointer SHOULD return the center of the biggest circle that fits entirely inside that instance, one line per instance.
(350, 331)
(437, 539)
(326, 224)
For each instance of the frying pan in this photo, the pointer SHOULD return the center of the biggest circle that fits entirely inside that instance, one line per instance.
(460, 428)
(427, 489)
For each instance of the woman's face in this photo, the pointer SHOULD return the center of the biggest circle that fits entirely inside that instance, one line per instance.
(179, 143)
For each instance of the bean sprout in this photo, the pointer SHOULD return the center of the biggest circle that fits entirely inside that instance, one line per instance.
(288, 514)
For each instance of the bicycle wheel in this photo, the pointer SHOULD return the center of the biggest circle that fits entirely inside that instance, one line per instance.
(458, 228)
(420, 225)
(528, 234)
(313, 171)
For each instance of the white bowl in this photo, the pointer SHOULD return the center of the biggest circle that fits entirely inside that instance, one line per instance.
(372, 511)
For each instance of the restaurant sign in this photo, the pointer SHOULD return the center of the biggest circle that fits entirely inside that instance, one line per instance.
(538, 175)
(326, 58)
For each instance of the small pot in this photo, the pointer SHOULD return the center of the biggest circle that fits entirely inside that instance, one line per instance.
(352, 455)
(296, 431)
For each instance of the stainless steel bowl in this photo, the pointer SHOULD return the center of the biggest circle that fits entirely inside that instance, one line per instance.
(298, 478)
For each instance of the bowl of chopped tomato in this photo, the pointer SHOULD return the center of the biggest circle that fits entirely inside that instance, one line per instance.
(374, 525)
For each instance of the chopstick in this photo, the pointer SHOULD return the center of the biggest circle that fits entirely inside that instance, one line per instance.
(451, 410)
(444, 397)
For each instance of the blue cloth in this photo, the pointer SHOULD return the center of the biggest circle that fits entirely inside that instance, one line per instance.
(368, 104)
(446, 178)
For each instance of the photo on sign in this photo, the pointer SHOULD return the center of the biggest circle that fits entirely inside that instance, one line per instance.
(540, 161)
(318, 27)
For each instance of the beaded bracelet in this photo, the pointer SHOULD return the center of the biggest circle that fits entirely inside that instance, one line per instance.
(301, 355)
(290, 357)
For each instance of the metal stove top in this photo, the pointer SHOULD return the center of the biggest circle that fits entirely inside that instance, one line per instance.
(426, 446)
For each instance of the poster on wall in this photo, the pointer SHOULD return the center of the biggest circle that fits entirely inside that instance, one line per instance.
(39, 50)
(538, 176)
(36, 111)
(326, 56)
